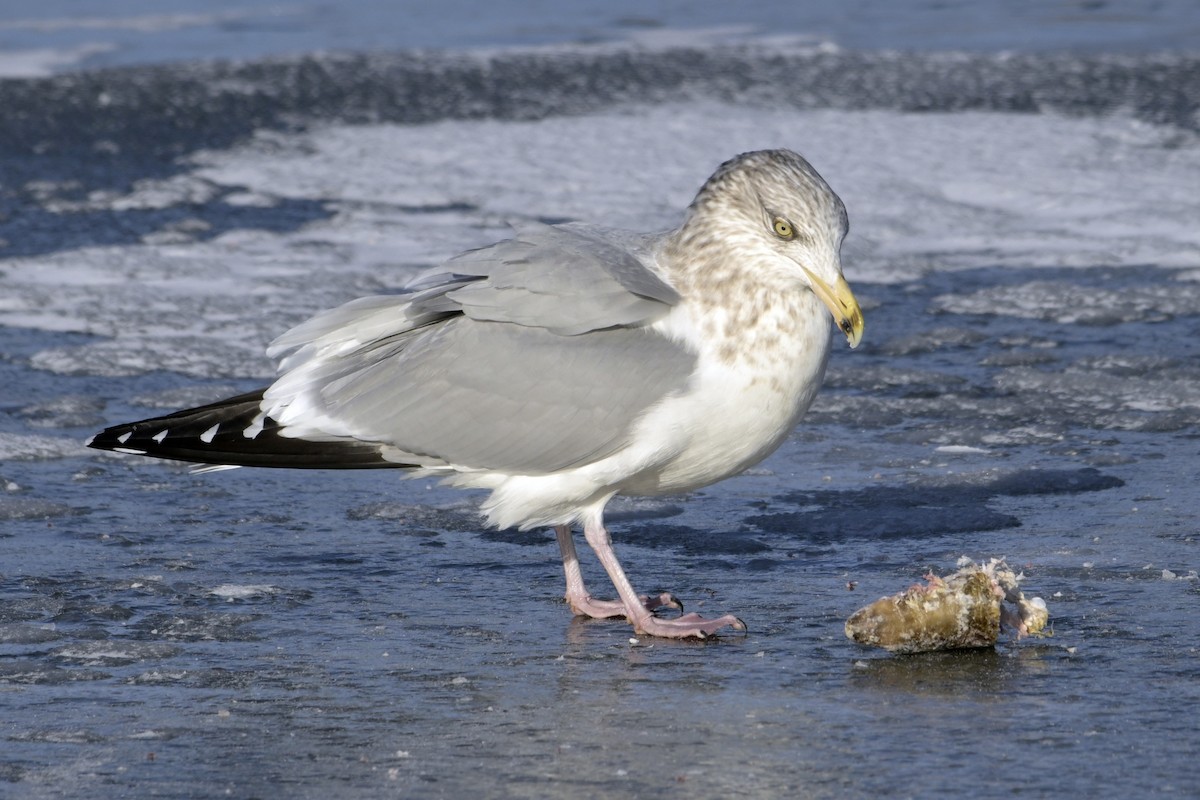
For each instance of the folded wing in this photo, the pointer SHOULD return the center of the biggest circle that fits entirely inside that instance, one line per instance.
(529, 356)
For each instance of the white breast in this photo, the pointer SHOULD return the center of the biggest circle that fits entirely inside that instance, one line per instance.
(745, 399)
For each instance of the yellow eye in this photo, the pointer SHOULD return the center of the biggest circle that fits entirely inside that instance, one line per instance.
(783, 228)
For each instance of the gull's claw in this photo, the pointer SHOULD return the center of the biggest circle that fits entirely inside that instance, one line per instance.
(687, 626)
(588, 606)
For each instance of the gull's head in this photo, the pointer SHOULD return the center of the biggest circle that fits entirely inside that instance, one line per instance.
(781, 219)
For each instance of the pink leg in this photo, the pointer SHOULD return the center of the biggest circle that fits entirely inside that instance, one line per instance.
(582, 603)
(635, 610)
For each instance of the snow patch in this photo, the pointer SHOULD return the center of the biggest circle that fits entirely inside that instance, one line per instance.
(250, 591)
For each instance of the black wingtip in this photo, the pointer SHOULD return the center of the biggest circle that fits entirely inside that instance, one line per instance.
(233, 433)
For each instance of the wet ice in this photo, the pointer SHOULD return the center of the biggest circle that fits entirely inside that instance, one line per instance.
(1026, 389)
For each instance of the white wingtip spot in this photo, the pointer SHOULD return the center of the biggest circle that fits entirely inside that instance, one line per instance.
(210, 434)
(158, 437)
(256, 427)
(124, 437)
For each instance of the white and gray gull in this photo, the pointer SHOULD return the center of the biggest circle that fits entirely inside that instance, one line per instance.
(565, 366)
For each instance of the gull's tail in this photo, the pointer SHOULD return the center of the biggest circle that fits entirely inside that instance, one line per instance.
(230, 433)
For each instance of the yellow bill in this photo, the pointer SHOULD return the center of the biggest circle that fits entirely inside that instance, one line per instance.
(842, 305)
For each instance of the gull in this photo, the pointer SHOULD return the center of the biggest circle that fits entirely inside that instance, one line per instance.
(565, 366)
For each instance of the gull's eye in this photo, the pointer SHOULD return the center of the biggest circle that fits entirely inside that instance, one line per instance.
(783, 228)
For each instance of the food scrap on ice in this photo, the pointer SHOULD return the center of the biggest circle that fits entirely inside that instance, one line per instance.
(969, 608)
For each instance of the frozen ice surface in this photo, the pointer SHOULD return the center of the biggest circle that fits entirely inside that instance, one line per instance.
(233, 591)
(1068, 303)
(1028, 388)
(59, 35)
(25, 446)
(208, 308)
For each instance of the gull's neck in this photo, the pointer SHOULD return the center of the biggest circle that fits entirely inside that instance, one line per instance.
(736, 306)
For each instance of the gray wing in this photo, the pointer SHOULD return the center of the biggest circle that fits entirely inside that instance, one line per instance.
(569, 280)
(532, 356)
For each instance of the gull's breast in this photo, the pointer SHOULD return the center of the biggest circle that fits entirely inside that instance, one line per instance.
(752, 383)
